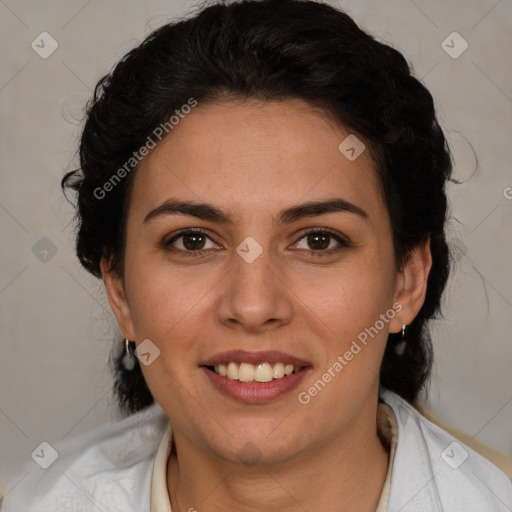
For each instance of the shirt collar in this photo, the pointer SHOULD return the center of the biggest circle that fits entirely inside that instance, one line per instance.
(159, 493)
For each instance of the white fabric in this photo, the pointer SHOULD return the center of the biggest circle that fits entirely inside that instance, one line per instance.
(160, 501)
(388, 427)
(422, 480)
(110, 470)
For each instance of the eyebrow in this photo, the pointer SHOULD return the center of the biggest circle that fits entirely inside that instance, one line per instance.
(205, 211)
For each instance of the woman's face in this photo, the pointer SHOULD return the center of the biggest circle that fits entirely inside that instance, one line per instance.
(290, 263)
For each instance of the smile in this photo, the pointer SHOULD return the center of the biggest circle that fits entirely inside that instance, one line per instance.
(255, 377)
(247, 372)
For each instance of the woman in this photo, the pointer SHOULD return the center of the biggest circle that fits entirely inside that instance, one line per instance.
(262, 190)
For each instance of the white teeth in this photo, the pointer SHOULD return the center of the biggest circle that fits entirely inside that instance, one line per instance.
(278, 372)
(245, 372)
(264, 372)
(232, 372)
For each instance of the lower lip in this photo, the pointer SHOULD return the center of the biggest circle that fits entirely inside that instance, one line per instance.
(256, 392)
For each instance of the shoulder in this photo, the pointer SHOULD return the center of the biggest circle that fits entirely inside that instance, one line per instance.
(108, 469)
(434, 471)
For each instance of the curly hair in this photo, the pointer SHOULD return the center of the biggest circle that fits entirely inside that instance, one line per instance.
(273, 50)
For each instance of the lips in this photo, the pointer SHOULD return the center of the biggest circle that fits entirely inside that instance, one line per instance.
(255, 376)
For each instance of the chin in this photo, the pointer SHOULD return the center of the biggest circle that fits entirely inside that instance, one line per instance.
(257, 448)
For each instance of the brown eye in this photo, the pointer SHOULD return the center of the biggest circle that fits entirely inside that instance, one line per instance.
(193, 242)
(322, 241)
(319, 241)
(190, 241)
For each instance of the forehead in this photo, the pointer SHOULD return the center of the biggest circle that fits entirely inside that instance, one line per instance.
(254, 156)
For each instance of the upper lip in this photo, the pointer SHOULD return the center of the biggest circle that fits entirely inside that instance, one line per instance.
(243, 356)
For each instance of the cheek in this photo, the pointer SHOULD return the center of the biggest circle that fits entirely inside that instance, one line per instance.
(164, 299)
(354, 320)
(350, 305)
(349, 298)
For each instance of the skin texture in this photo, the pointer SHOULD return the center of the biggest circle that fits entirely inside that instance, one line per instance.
(253, 160)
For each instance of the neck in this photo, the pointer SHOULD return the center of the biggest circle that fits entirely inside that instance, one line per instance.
(344, 474)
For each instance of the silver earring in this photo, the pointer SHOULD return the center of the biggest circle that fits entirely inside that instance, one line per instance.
(400, 346)
(129, 356)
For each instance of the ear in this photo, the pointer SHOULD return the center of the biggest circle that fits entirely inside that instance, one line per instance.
(411, 286)
(114, 286)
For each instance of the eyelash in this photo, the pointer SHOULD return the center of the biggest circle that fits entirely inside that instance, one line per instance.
(314, 254)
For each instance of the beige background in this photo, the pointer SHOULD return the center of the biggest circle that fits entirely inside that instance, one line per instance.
(55, 323)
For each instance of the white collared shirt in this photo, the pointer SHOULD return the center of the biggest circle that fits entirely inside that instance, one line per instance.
(121, 467)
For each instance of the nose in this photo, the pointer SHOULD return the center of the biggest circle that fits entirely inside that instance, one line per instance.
(255, 297)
